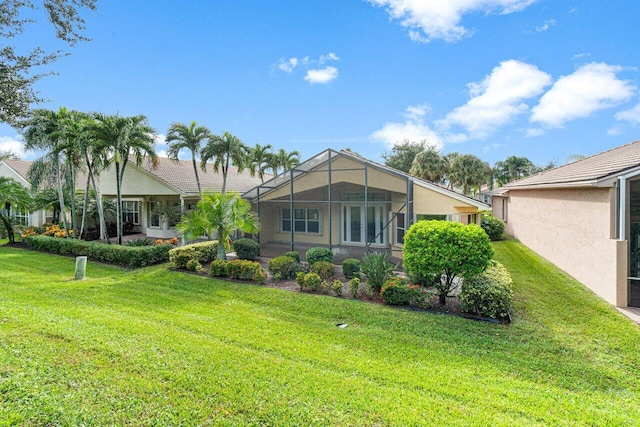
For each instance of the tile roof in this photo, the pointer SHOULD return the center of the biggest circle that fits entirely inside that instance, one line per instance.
(180, 176)
(20, 166)
(586, 171)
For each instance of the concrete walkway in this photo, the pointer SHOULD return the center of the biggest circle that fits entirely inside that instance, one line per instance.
(632, 313)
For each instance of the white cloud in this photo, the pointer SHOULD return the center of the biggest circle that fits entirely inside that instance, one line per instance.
(498, 98)
(413, 129)
(427, 20)
(615, 130)
(632, 116)
(534, 132)
(287, 65)
(8, 143)
(547, 24)
(328, 57)
(590, 88)
(321, 75)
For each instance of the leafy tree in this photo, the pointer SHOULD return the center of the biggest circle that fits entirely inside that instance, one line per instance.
(285, 160)
(402, 154)
(429, 165)
(122, 138)
(12, 196)
(8, 154)
(259, 160)
(468, 171)
(225, 150)
(16, 77)
(224, 213)
(191, 137)
(575, 157)
(445, 250)
(513, 168)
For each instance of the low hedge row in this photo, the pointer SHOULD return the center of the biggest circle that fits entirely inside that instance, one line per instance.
(199, 252)
(125, 256)
(238, 269)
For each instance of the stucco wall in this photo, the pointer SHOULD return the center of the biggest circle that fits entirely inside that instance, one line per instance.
(135, 183)
(572, 228)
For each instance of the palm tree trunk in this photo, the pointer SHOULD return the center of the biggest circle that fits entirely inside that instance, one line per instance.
(85, 203)
(195, 170)
(73, 200)
(63, 209)
(103, 224)
(118, 204)
(9, 228)
(225, 171)
(222, 251)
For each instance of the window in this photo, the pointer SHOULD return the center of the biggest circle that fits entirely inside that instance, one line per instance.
(359, 197)
(153, 214)
(304, 220)
(174, 213)
(21, 216)
(400, 227)
(131, 212)
(472, 219)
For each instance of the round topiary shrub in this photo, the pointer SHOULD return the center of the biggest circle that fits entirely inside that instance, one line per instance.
(395, 291)
(492, 226)
(319, 254)
(293, 254)
(246, 249)
(489, 293)
(324, 269)
(284, 267)
(351, 267)
(448, 250)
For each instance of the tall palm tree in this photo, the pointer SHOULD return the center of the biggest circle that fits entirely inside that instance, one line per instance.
(124, 137)
(468, 171)
(260, 157)
(190, 137)
(12, 196)
(429, 165)
(224, 213)
(285, 160)
(512, 168)
(225, 150)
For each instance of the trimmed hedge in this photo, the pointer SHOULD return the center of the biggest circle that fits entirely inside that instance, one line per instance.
(493, 226)
(125, 256)
(324, 269)
(488, 293)
(351, 268)
(246, 249)
(238, 269)
(293, 254)
(284, 267)
(202, 252)
(314, 255)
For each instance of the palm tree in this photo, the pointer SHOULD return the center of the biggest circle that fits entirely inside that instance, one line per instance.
(12, 196)
(285, 160)
(260, 157)
(512, 168)
(429, 165)
(225, 150)
(190, 137)
(123, 137)
(224, 213)
(467, 171)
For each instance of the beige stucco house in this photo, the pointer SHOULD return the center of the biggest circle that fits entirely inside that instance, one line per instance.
(148, 193)
(585, 218)
(340, 200)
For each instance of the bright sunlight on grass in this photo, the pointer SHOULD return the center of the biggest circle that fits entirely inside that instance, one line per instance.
(158, 347)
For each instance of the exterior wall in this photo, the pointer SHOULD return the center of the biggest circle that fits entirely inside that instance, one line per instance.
(135, 183)
(36, 218)
(572, 228)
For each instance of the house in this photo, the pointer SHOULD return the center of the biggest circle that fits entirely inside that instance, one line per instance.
(340, 200)
(152, 197)
(585, 218)
(18, 170)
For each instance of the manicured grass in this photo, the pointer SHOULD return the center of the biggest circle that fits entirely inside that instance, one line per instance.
(158, 347)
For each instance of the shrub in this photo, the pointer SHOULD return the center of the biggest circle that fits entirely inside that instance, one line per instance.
(284, 267)
(141, 242)
(354, 286)
(311, 281)
(377, 267)
(219, 268)
(201, 252)
(324, 269)
(246, 249)
(488, 293)
(293, 254)
(300, 279)
(395, 291)
(351, 268)
(194, 265)
(319, 254)
(336, 287)
(325, 286)
(446, 250)
(246, 270)
(492, 226)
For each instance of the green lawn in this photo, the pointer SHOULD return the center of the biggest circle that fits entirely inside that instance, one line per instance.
(163, 348)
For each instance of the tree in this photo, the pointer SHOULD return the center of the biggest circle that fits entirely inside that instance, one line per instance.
(468, 171)
(122, 137)
(445, 251)
(8, 154)
(16, 77)
(429, 165)
(513, 168)
(224, 213)
(285, 160)
(191, 137)
(402, 154)
(259, 160)
(225, 150)
(12, 196)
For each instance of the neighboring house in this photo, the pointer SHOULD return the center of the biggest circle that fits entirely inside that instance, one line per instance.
(18, 171)
(340, 200)
(585, 218)
(152, 198)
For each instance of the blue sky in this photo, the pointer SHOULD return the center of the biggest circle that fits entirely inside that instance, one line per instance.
(536, 78)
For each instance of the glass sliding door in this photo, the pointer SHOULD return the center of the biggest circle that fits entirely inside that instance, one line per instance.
(353, 224)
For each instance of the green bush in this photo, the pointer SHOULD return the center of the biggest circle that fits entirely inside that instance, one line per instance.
(310, 281)
(140, 242)
(246, 249)
(219, 268)
(488, 293)
(324, 269)
(395, 291)
(319, 254)
(492, 226)
(194, 265)
(293, 254)
(238, 269)
(354, 286)
(125, 256)
(351, 268)
(446, 250)
(336, 286)
(377, 268)
(202, 252)
(284, 267)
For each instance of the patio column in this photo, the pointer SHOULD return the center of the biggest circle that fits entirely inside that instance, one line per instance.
(291, 207)
(330, 210)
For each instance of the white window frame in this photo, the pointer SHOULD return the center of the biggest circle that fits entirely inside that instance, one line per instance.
(306, 220)
(126, 204)
(150, 207)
